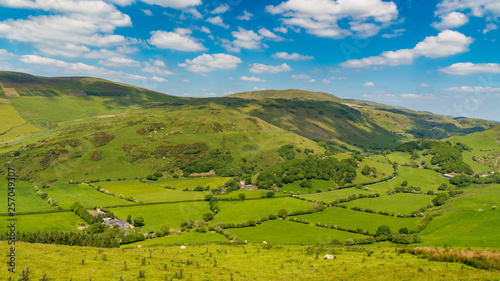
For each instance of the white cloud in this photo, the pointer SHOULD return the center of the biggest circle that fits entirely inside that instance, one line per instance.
(244, 39)
(194, 13)
(281, 29)
(4, 54)
(246, 16)
(262, 68)
(292, 56)
(425, 85)
(177, 40)
(489, 27)
(300, 76)
(414, 96)
(446, 43)
(312, 81)
(368, 84)
(119, 62)
(478, 8)
(217, 21)
(62, 49)
(158, 79)
(474, 89)
(156, 67)
(206, 62)
(89, 23)
(326, 81)
(467, 68)
(395, 33)
(205, 29)
(251, 79)
(450, 21)
(77, 68)
(268, 34)
(221, 9)
(147, 12)
(176, 4)
(321, 17)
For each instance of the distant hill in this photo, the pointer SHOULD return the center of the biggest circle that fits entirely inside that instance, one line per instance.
(292, 94)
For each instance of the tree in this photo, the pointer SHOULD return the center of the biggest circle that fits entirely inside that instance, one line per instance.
(270, 194)
(383, 230)
(242, 196)
(208, 216)
(441, 198)
(282, 213)
(138, 222)
(129, 218)
(443, 186)
(158, 174)
(198, 188)
(404, 230)
(404, 183)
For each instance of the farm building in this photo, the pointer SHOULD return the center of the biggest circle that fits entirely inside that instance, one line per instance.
(121, 224)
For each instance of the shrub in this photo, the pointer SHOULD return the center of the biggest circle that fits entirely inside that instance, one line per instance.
(383, 230)
(138, 222)
(283, 213)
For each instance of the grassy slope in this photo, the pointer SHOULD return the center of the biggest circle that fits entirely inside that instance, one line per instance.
(244, 262)
(426, 179)
(467, 220)
(26, 199)
(65, 221)
(13, 124)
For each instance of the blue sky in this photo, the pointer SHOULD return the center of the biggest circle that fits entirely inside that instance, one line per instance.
(439, 56)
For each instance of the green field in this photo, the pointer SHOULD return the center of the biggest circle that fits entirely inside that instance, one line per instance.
(159, 215)
(250, 194)
(237, 262)
(241, 211)
(467, 220)
(384, 170)
(148, 193)
(26, 200)
(400, 157)
(283, 231)
(13, 124)
(399, 203)
(330, 196)
(190, 183)
(356, 219)
(61, 221)
(67, 194)
(424, 178)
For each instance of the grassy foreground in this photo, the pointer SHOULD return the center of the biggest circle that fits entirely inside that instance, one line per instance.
(232, 262)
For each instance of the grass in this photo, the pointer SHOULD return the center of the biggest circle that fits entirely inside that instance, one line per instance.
(63, 221)
(159, 215)
(148, 193)
(400, 157)
(384, 170)
(316, 184)
(67, 194)
(467, 220)
(26, 200)
(190, 183)
(185, 237)
(13, 124)
(237, 262)
(249, 194)
(356, 219)
(330, 196)
(403, 203)
(241, 211)
(283, 231)
(424, 178)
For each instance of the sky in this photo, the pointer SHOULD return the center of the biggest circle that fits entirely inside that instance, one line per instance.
(437, 56)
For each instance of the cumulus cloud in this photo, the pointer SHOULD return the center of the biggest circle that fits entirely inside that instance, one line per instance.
(395, 33)
(176, 4)
(246, 16)
(321, 17)
(292, 56)
(281, 29)
(119, 62)
(147, 12)
(300, 76)
(217, 21)
(156, 67)
(467, 68)
(262, 68)
(446, 43)
(312, 81)
(268, 34)
(89, 23)
(158, 79)
(244, 39)
(252, 79)
(368, 84)
(207, 63)
(179, 40)
(489, 27)
(450, 21)
(221, 9)
(425, 85)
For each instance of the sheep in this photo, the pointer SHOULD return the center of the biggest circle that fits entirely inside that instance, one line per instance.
(183, 247)
(328, 257)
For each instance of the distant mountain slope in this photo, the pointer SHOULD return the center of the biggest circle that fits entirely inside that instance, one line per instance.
(293, 94)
